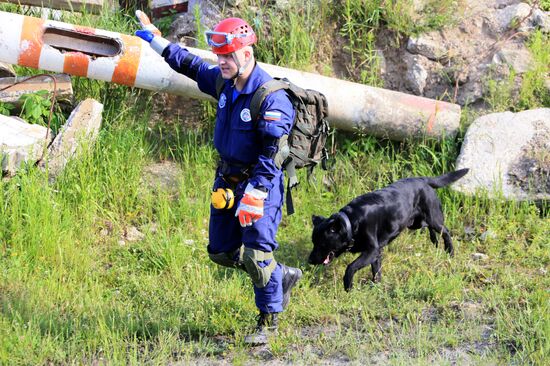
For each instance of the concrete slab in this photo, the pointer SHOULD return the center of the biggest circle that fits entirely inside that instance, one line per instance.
(81, 129)
(21, 142)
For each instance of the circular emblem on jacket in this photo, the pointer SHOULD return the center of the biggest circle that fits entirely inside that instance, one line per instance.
(221, 102)
(245, 115)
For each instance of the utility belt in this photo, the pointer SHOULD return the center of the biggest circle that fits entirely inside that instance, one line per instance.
(232, 174)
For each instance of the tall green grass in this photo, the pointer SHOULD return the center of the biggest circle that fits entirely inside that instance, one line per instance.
(74, 290)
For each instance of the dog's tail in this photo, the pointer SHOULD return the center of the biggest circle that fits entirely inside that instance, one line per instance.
(446, 179)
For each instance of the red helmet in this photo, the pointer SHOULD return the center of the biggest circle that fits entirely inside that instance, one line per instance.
(230, 35)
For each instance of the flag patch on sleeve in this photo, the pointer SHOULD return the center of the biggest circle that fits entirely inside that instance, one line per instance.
(272, 115)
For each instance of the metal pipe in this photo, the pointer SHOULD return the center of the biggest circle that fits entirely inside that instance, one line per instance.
(128, 60)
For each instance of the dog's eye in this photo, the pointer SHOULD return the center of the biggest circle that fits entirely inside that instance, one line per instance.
(332, 230)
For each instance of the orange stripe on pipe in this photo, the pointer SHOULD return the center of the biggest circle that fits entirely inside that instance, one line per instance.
(31, 42)
(76, 63)
(431, 120)
(127, 66)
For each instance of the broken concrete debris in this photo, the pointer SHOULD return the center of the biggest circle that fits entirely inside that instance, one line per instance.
(20, 143)
(81, 129)
(63, 87)
(6, 70)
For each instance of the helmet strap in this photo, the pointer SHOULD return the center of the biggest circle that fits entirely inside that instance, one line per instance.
(241, 69)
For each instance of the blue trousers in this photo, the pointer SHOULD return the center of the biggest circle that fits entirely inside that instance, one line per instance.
(226, 236)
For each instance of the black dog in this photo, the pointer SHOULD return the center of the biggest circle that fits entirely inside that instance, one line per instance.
(373, 220)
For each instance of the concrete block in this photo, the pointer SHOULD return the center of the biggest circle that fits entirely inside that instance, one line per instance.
(21, 142)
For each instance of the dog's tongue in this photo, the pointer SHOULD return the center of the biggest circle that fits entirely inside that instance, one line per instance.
(327, 260)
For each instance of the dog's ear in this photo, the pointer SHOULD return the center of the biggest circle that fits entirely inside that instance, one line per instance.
(317, 219)
(335, 224)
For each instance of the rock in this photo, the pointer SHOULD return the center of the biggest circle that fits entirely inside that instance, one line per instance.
(430, 45)
(184, 27)
(21, 142)
(519, 59)
(479, 257)
(416, 74)
(81, 129)
(508, 154)
(509, 17)
(501, 4)
(382, 65)
(132, 234)
(471, 92)
(488, 234)
(541, 20)
(6, 70)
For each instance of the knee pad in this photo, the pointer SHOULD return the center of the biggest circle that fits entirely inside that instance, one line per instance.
(232, 259)
(260, 275)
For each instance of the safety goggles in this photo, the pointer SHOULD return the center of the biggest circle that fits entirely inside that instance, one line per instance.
(225, 38)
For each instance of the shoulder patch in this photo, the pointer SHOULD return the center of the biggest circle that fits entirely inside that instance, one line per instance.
(272, 115)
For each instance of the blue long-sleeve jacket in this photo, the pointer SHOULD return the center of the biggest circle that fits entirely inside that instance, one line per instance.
(238, 139)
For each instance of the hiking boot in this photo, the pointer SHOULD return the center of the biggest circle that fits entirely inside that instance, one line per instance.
(291, 275)
(267, 326)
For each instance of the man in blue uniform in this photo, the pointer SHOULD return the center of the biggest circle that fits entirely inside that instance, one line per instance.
(248, 189)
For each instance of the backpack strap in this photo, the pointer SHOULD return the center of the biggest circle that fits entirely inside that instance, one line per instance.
(263, 91)
(292, 182)
(220, 84)
(258, 98)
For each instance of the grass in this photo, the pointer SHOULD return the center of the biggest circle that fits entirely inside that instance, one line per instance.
(74, 290)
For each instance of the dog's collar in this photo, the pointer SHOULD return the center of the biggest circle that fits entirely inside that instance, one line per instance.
(347, 225)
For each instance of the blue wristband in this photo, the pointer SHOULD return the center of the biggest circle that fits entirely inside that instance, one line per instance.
(144, 34)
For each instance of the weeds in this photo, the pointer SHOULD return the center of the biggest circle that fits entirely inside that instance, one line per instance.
(504, 94)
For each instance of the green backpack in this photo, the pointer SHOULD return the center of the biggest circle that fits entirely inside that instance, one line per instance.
(304, 147)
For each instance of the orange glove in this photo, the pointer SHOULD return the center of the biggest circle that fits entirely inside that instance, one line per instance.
(251, 207)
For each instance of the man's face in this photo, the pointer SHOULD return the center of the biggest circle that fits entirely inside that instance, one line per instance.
(227, 63)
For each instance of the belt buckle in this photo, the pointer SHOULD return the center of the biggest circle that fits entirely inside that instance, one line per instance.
(234, 178)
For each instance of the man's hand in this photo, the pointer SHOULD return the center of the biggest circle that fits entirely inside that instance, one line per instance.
(251, 207)
(146, 24)
(150, 33)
